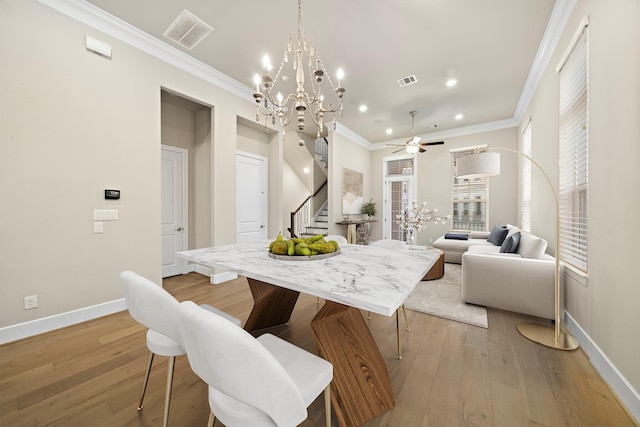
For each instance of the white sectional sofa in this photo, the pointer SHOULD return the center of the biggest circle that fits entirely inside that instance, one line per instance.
(522, 281)
(453, 248)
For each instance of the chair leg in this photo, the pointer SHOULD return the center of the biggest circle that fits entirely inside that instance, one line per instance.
(406, 319)
(146, 380)
(398, 333)
(327, 405)
(167, 398)
(212, 419)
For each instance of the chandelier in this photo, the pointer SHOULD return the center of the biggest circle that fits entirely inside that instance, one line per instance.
(296, 104)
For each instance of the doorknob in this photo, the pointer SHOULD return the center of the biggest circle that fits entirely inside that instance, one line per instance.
(179, 229)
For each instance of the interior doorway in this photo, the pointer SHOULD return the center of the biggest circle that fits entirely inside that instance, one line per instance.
(185, 128)
(174, 218)
(252, 197)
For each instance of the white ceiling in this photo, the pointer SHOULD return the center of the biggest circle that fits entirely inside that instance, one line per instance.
(489, 45)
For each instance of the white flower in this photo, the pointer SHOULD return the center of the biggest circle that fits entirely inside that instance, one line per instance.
(415, 217)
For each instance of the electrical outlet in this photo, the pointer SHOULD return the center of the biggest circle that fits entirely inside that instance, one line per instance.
(30, 302)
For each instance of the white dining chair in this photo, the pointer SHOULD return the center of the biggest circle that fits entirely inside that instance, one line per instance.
(399, 246)
(157, 309)
(338, 238)
(256, 382)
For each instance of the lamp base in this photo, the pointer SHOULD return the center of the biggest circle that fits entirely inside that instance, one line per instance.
(546, 336)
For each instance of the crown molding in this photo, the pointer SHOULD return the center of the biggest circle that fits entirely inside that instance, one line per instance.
(560, 15)
(97, 18)
(451, 133)
(355, 137)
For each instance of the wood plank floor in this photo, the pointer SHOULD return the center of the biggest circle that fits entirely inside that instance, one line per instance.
(451, 374)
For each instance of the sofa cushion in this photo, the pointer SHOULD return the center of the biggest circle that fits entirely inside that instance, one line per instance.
(456, 236)
(512, 229)
(531, 246)
(510, 244)
(498, 234)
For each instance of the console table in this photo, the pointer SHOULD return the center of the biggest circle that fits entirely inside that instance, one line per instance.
(358, 230)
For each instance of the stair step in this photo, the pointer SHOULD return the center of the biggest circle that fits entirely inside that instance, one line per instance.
(322, 218)
(315, 230)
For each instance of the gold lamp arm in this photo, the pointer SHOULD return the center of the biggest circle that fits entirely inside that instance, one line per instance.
(533, 331)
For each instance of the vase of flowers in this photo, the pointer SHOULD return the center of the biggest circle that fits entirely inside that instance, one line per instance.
(415, 217)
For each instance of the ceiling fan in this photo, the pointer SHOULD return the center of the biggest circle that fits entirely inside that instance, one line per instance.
(414, 145)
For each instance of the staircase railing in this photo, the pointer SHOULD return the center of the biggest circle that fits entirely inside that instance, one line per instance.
(301, 218)
(322, 150)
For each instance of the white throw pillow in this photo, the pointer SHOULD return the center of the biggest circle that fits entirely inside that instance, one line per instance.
(531, 246)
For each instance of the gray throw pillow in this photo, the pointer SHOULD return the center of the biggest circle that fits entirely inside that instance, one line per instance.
(498, 235)
(510, 244)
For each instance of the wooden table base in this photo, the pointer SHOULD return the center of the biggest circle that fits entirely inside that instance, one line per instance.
(437, 270)
(361, 389)
(272, 305)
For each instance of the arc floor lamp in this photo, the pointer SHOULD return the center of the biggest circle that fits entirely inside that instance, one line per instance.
(485, 165)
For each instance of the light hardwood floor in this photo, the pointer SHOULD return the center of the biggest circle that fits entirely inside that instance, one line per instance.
(451, 374)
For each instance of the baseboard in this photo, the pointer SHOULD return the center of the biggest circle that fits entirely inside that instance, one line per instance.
(216, 275)
(607, 370)
(223, 276)
(51, 323)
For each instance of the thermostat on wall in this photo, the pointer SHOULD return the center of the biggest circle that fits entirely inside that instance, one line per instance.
(112, 194)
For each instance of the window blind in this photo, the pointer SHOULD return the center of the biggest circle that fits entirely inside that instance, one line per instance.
(525, 181)
(400, 167)
(469, 197)
(574, 153)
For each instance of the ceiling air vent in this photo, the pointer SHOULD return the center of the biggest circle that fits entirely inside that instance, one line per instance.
(409, 80)
(188, 30)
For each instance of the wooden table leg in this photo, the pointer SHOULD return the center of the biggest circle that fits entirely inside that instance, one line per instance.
(361, 389)
(272, 305)
(437, 270)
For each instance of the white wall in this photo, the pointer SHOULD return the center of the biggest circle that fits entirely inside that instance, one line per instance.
(73, 124)
(605, 305)
(345, 153)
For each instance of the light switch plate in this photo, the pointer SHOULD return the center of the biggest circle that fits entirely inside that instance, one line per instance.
(98, 227)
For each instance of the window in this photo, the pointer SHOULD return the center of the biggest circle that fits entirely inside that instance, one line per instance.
(470, 197)
(573, 156)
(525, 182)
(399, 178)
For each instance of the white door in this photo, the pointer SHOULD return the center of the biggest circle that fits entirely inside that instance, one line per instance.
(252, 198)
(174, 218)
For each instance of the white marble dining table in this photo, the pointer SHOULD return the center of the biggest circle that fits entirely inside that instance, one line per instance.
(370, 278)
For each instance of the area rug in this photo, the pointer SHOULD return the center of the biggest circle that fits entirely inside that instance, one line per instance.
(443, 298)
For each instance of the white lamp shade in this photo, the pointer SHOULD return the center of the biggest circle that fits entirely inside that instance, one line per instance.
(412, 149)
(479, 165)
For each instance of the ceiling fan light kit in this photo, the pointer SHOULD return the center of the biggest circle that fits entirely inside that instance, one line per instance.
(413, 145)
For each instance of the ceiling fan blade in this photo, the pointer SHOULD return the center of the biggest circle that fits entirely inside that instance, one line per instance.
(424, 144)
(398, 150)
(396, 145)
(421, 150)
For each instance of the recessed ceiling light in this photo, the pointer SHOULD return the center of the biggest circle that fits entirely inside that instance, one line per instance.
(459, 116)
(389, 131)
(451, 82)
(363, 108)
(306, 170)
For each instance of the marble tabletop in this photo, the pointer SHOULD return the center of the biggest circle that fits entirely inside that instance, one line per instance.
(370, 278)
